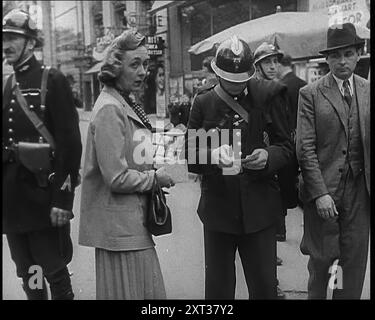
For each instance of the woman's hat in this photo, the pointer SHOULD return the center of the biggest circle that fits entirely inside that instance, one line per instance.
(342, 36)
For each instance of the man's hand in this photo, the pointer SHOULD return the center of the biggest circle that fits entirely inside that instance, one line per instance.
(257, 160)
(326, 207)
(223, 156)
(60, 217)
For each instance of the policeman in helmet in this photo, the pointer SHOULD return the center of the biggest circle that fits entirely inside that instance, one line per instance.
(18, 23)
(266, 61)
(37, 205)
(239, 197)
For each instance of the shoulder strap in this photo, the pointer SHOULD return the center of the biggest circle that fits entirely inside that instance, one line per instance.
(235, 106)
(38, 124)
(5, 82)
(43, 87)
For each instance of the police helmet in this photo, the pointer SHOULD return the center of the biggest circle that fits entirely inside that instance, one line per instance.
(19, 22)
(233, 61)
(266, 50)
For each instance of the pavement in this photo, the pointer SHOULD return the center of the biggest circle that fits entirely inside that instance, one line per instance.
(180, 254)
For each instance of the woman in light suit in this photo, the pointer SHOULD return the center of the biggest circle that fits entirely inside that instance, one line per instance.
(117, 178)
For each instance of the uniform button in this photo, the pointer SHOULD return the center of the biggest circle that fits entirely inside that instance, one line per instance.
(239, 143)
(236, 116)
(11, 110)
(238, 134)
(235, 98)
(343, 151)
(42, 67)
(13, 101)
(10, 120)
(10, 140)
(31, 107)
(10, 130)
(240, 153)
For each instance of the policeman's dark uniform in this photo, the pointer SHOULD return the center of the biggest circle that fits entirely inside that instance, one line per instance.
(240, 211)
(26, 206)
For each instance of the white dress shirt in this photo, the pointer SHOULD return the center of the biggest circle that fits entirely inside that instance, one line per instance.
(340, 84)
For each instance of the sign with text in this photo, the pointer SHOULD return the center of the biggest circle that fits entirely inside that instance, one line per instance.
(155, 45)
(342, 11)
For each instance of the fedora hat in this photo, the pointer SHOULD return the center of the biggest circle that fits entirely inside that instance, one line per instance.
(342, 36)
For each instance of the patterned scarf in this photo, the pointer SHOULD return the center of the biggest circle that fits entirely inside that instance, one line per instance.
(137, 109)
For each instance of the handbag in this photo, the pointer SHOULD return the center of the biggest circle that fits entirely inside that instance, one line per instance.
(158, 220)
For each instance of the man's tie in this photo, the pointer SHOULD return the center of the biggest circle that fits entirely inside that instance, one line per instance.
(347, 95)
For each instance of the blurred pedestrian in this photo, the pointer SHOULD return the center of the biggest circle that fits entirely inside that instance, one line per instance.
(333, 150)
(239, 198)
(267, 61)
(179, 110)
(210, 76)
(41, 157)
(290, 175)
(115, 185)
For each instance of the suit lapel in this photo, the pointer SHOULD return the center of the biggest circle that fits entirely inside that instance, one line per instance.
(129, 111)
(331, 92)
(363, 97)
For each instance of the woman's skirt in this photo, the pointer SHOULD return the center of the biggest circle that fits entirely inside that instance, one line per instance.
(128, 275)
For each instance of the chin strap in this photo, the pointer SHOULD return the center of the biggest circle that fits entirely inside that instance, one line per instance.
(20, 59)
(263, 73)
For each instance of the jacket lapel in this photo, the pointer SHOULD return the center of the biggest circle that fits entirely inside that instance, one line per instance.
(331, 92)
(363, 97)
(129, 111)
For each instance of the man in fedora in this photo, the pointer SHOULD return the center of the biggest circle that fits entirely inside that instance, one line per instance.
(333, 150)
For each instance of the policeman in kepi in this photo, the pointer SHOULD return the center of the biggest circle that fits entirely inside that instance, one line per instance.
(240, 198)
(37, 206)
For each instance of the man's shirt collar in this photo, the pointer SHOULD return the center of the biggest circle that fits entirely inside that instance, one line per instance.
(341, 82)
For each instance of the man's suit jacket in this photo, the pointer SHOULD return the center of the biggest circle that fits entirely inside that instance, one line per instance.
(322, 135)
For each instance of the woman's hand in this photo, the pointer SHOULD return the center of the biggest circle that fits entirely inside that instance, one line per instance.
(164, 178)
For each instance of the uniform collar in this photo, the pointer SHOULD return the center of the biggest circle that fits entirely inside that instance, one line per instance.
(25, 65)
(340, 84)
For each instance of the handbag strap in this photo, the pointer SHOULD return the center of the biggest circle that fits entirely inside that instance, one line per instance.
(38, 124)
(234, 105)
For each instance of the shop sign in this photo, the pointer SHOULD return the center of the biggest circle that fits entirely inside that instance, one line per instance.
(155, 45)
(342, 11)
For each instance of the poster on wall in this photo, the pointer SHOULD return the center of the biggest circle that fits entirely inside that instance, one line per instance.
(341, 11)
(161, 105)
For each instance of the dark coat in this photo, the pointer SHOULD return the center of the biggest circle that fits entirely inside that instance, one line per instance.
(288, 175)
(26, 206)
(250, 201)
(293, 83)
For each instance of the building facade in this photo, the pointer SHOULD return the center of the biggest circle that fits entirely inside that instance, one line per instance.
(76, 34)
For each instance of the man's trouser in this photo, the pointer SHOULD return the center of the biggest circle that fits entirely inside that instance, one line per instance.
(52, 250)
(345, 238)
(258, 256)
